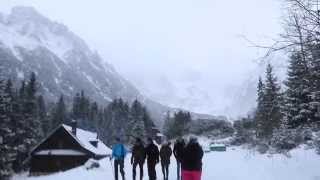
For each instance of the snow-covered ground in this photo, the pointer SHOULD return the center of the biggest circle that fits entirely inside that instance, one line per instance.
(234, 164)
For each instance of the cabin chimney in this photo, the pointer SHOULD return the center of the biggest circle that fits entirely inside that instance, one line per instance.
(74, 127)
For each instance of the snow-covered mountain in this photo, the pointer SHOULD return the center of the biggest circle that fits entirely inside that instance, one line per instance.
(62, 61)
(64, 64)
(210, 96)
(243, 97)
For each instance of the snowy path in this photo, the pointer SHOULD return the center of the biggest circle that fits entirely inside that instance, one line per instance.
(237, 164)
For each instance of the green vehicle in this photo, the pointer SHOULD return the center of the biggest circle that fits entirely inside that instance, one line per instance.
(218, 147)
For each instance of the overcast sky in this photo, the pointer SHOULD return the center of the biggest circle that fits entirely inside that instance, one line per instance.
(198, 41)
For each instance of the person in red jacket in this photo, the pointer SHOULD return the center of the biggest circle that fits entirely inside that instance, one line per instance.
(191, 160)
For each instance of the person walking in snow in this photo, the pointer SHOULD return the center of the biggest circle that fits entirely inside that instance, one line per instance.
(165, 154)
(152, 152)
(137, 158)
(191, 160)
(177, 152)
(119, 152)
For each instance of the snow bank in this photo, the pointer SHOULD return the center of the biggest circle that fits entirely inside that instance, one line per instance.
(242, 164)
(234, 164)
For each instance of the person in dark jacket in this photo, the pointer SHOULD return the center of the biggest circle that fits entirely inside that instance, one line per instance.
(191, 161)
(165, 154)
(152, 152)
(138, 157)
(177, 151)
(118, 153)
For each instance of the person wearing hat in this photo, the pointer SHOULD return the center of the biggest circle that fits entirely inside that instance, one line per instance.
(165, 154)
(138, 157)
(177, 152)
(191, 161)
(119, 152)
(152, 152)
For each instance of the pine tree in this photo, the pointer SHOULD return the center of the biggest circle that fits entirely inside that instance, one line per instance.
(59, 115)
(100, 124)
(94, 112)
(137, 121)
(76, 106)
(20, 128)
(81, 111)
(136, 110)
(180, 124)
(315, 85)
(261, 90)
(260, 114)
(84, 107)
(119, 119)
(168, 128)
(297, 96)
(148, 123)
(33, 132)
(22, 91)
(116, 121)
(271, 103)
(284, 138)
(6, 132)
(42, 114)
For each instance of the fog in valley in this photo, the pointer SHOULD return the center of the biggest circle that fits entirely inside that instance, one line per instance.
(194, 55)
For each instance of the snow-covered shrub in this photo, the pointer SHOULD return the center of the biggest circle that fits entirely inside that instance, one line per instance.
(286, 139)
(212, 127)
(316, 142)
(262, 148)
(306, 134)
(237, 141)
(91, 164)
(244, 132)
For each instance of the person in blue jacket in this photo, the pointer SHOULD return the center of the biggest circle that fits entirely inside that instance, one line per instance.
(119, 152)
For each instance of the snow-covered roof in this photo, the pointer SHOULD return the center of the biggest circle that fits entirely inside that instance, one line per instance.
(59, 152)
(217, 145)
(84, 137)
(160, 135)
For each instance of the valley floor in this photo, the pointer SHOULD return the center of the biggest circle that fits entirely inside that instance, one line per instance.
(234, 164)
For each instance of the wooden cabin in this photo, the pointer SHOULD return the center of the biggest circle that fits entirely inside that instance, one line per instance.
(157, 136)
(66, 148)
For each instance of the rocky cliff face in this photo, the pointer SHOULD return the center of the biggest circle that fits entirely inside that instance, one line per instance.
(64, 64)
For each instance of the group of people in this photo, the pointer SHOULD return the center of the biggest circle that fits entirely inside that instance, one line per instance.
(188, 156)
